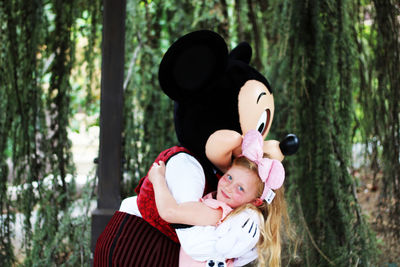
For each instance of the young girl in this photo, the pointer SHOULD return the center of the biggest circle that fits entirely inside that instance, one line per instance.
(248, 184)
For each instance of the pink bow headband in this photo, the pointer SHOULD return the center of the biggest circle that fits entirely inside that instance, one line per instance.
(271, 171)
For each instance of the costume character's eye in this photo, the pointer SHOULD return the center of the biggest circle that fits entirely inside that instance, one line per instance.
(263, 121)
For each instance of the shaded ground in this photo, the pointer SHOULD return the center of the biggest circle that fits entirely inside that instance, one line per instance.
(369, 196)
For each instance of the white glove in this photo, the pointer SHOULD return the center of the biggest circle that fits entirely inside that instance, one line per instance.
(241, 236)
(246, 258)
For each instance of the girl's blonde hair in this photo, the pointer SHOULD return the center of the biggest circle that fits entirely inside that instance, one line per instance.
(271, 216)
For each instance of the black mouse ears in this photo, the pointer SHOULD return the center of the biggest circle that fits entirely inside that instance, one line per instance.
(192, 63)
(241, 52)
(195, 61)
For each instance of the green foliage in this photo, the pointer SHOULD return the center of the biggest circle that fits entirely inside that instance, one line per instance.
(66, 243)
(37, 54)
(378, 96)
(314, 55)
(386, 94)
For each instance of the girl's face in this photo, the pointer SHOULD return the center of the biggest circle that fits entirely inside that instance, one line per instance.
(238, 186)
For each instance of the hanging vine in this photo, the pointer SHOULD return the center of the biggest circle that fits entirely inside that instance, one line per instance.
(387, 96)
(37, 55)
(312, 56)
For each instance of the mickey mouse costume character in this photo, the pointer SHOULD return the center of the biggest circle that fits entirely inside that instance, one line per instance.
(218, 98)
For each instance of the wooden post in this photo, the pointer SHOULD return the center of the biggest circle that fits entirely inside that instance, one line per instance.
(110, 154)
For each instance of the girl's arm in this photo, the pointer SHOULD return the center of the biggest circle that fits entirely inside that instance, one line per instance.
(193, 213)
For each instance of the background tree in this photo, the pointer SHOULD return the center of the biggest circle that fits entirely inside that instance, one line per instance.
(388, 94)
(314, 64)
(379, 99)
(38, 40)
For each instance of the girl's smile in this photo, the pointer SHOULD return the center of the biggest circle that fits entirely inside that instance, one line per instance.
(224, 195)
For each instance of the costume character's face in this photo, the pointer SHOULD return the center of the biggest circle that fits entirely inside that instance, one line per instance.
(255, 111)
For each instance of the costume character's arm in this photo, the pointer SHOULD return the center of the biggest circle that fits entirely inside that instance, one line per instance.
(240, 235)
(236, 237)
(246, 258)
(193, 213)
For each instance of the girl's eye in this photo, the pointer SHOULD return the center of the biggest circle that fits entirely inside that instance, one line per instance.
(229, 178)
(241, 189)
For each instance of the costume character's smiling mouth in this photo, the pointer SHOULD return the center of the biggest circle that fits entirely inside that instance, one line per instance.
(263, 121)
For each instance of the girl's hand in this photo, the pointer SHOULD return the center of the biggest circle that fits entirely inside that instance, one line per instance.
(157, 172)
